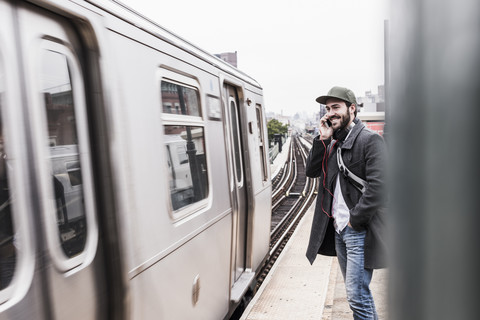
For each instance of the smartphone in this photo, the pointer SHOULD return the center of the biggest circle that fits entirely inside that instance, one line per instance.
(328, 123)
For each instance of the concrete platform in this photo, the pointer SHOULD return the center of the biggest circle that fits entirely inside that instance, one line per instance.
(294, 289)
(336, 305)
(281, 158)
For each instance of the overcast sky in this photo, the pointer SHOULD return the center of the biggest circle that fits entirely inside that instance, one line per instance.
(296, 49)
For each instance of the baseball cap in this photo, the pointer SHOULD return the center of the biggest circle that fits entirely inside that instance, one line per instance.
(339, 93)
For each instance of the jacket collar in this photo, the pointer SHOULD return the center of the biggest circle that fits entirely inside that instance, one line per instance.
(348, 144)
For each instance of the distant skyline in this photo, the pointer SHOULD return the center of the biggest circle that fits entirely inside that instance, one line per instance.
(296, 49)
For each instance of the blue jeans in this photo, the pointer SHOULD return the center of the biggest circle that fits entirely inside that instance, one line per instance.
(350, 252)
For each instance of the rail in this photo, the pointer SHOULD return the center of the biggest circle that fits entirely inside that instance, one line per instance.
(293, 194)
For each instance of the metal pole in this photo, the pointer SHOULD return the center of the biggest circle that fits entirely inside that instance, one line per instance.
(191, 152)
(435, 88)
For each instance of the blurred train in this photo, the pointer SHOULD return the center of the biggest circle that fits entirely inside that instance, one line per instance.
(134, 181)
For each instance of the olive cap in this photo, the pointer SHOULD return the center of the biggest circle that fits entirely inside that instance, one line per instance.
(339, 93)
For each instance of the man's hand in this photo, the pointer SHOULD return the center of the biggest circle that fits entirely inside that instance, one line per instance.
(325, 131)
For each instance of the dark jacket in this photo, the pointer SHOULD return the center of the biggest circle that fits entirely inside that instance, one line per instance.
(364, 155)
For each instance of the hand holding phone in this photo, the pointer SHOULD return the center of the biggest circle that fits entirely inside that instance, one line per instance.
(326, 130)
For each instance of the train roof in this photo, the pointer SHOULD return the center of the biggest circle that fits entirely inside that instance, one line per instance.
(122, 11)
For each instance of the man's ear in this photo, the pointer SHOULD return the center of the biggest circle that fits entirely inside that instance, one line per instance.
(352, 108)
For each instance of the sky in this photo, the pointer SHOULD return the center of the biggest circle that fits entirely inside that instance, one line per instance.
(296, 49)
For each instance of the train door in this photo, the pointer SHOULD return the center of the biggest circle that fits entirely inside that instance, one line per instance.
(238, 185)
(67, 282)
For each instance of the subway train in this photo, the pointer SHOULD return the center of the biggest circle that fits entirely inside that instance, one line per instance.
(134, 177)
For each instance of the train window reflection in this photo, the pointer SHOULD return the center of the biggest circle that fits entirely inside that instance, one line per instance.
(8, 252)
(261, 142)
(236, 142)
(64, 154)
(177, 99)
(188, 179)
(74, 173)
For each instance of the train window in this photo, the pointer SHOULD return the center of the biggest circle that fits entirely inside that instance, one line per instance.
(8, 252)
(236, 142)
(185, 143)
(179, 99)
(64, 153)
(188, 180)
(261, 141)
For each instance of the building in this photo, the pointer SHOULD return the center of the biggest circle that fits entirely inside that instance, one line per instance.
(230, 57)
(373, 102)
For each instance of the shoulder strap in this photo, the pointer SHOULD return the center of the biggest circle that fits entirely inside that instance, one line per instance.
(357, 182)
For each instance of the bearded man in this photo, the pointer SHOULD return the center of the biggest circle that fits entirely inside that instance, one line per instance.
(348, 218)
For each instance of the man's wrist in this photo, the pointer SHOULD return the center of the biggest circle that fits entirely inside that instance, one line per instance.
(322, 137)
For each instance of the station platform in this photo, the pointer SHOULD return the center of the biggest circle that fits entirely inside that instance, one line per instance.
(280, 159)
(294, 289)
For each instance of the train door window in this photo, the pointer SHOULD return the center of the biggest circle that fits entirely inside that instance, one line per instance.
(8, 252)
(67, 141)
(63, 143)
(261, 141)
(184, 136)
(236, 142)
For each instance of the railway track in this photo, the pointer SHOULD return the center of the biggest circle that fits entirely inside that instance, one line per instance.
(293, 194)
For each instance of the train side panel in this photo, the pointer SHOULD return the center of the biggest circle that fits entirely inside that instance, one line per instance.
(20, 287)
(122, 157)
(60, 211)
(260, 210)
(171, 251)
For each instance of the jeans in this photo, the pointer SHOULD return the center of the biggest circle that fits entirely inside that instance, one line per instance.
(350, 252)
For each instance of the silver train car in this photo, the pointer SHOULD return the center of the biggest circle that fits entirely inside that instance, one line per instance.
(134, 181)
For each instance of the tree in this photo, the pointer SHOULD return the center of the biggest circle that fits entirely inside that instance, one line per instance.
(274, 126)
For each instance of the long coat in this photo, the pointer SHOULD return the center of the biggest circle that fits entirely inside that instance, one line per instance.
(363, 153)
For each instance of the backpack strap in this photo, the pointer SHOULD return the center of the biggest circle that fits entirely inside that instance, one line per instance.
(355, 180)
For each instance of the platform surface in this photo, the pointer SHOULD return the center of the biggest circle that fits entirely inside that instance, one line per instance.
(294, 289)
(281, 158)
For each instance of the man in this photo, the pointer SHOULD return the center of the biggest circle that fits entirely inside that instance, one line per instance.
(348, 221)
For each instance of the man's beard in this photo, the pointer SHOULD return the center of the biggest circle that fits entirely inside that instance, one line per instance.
(345, 120)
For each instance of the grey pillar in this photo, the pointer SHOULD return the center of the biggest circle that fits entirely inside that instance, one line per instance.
(435, 159)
